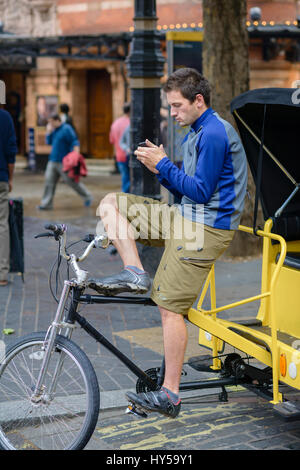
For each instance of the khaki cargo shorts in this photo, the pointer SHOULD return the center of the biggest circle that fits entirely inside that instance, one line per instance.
(190, 249)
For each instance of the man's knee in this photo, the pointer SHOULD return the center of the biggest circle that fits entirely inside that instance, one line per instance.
(106, 204)
(167, 315)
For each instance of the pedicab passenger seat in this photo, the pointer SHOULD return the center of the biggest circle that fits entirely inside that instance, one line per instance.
(288, 226)
(292, 260)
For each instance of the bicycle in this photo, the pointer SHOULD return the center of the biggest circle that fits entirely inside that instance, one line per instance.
(49, 392)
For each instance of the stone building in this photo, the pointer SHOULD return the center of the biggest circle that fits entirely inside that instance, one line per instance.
(25, 18)
(96, 88)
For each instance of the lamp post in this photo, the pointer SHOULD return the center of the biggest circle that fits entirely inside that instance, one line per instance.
(145, 67)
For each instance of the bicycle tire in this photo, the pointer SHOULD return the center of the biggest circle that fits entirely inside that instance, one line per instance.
(19, 431)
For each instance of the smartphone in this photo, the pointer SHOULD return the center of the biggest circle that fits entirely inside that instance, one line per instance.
(142, 144)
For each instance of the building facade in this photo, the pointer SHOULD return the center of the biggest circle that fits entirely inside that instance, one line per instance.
(95, 87)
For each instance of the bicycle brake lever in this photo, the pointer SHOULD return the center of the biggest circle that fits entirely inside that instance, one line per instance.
(88, 238)
(45, 234)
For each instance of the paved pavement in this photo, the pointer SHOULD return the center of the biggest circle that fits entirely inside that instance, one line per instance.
(245, 422)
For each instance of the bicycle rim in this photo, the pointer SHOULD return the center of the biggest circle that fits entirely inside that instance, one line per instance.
(63, 420)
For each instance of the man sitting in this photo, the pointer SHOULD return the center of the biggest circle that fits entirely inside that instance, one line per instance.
(211, 186)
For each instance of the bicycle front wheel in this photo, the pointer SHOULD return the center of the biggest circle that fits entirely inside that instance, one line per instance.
(65, 414)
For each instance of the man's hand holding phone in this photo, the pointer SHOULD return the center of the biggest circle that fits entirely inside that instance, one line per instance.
(150, 154)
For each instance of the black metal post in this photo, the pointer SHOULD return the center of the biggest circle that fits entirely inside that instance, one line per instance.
(145, 67)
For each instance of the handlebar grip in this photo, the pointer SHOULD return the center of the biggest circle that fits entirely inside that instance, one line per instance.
(58, 229)
(54, 228)
(47, 234)
(50, 227)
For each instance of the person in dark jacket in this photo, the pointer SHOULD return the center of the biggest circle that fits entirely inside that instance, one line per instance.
(8, 150)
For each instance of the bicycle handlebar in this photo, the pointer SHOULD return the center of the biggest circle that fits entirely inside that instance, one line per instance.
(57, 230)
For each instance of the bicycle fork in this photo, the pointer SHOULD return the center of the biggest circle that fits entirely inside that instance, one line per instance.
(48, 348)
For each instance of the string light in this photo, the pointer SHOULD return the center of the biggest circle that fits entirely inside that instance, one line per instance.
(200, 25)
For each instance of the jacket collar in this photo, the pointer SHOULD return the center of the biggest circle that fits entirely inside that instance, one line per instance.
(201, 120)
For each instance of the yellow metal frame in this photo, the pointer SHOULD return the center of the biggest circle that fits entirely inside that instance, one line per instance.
(266, 348)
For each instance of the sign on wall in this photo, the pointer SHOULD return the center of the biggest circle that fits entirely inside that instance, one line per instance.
(46, 105)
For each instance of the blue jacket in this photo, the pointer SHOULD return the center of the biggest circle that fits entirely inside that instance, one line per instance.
(213, 179)
(8, 144)
(63, 139)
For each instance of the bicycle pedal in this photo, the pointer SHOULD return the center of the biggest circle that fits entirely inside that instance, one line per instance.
(133, 409)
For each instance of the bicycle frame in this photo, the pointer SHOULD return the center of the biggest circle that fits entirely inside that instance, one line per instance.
(73, 316)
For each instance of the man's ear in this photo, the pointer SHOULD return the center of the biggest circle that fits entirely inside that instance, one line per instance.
(200, 100)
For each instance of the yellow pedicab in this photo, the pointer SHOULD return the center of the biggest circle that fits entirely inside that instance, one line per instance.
(268, 122)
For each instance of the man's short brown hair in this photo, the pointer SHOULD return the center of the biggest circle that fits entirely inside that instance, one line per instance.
(55, 117)
(190, 83)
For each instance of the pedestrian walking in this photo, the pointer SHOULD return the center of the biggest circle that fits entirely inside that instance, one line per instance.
(8, 150)
(116, 132)
(211, 186)
(63, 140)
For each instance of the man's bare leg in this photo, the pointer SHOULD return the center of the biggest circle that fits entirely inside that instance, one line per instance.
(167, 400)
(174, 328)
(175, 341)
(115, 224)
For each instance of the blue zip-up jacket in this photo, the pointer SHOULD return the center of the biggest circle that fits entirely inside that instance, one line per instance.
(63, 139)
(8, 144)
(213, 179)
